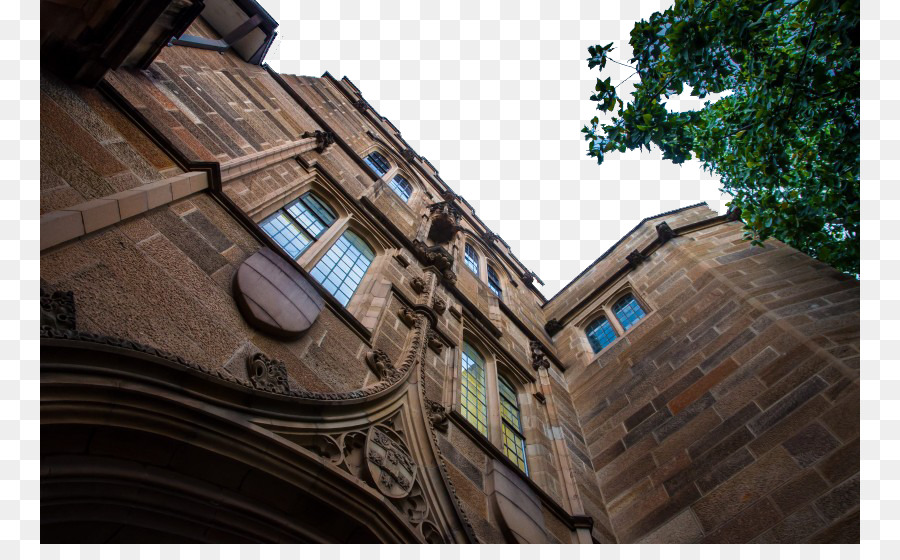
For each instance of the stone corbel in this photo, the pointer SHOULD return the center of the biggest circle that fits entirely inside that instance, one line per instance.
(323, 139)
(664, 232)
(635, 258)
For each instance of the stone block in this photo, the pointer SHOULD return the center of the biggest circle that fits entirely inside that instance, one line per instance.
(158, 193)
(748, 524)
(131, 203)
(188, 184)
(810, 444)
(60, 226)
(842, 463)
(98, 213)
(840, 500)
(798, 492)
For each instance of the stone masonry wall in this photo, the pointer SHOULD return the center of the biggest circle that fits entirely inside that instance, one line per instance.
(730, 413)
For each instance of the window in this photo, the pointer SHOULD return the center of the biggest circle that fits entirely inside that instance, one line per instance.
(471, 259)
(511, 430)
(494, 282)
(402, 187)
(473, 401)
(600, 334)
(628, 311)
(342, 268)
(298, 224)
(378, 163)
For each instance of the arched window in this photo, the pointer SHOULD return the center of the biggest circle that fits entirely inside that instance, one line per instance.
(511, 432)
(494, 282)
(473, 397)
(628, 311)
(471, 259)
(378, 163)
(298, 224)
(342, 268)
(402, 187)
(600, 334)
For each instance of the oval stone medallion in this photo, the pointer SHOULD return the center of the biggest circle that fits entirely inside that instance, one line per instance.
(274, 297)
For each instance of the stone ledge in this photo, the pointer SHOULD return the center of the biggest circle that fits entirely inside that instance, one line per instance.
(64, 225)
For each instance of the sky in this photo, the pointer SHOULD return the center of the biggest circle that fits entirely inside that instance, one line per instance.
(494, 95)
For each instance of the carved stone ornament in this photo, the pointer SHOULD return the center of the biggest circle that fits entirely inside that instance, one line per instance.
(540, 397)
(57, 310)
(267, 374)
(323, 139)
(408, 316)
(437, 414)
(390, 463)
(437, 257)
(450, 276)
(490, 237)
(449, 195)
(635, 258)
(408, 154)
(439, 305)
(445, 217)
(361, 104)
(527, 278)
(418, 284)
(664, 232)
(538, 357)
(435, 343)
(380, 363)
(553, 326)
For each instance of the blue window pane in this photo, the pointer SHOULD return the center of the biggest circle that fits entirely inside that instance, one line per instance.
(471, 259)
(377, 162)
(494, 282)
(341, 269)
(286, 233)
(600, 334)
(628, 311)
(402, 187)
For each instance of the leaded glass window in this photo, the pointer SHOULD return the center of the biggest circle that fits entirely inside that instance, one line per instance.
(473, 397)
(286, 233)
(378, 163)
(628, 311)
(402, 187)
(494, 282)
(342, 268)
(471, 259)
(513, 440)
(600, 334)
(310, 212)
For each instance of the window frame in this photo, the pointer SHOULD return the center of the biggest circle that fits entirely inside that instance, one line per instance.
(285, 211)
(496, 372)
(605, 310)
(327, 276)
(467, 259)
(498, 289)
(373, 166)
(600, 318)
(394, 188)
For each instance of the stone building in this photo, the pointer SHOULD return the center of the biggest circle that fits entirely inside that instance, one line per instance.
(264, 317)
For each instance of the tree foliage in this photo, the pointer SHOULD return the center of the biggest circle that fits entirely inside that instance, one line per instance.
(785, 141)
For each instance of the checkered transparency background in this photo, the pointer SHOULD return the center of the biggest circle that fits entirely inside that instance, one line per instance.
(494, 94)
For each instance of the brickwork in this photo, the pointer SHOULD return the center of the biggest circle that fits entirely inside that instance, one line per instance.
(728, 413)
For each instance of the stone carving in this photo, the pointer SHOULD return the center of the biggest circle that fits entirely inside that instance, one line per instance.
(490, 237)
(635, 258)
(449, 195)
(267, 374)
(323, 139)
(437, 414)
(553, 326)
(408, 316)
(538, 356)
(445, 217)
(450, 276)
(527, 278)
(361, 104)
(437, 257)
(435, 343)
(408, 154)
(379, 363)
(390, 464)
(418, 284)
(541, 398)
(439, 304)
(57, 310)
(664, 232)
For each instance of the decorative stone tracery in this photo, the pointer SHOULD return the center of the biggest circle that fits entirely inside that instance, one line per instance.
(267, 374)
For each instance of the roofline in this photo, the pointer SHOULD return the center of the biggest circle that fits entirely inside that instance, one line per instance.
(616, 244)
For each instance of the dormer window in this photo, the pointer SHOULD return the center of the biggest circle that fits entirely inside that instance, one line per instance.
(494, 282)
(378, 163)
(471, 259)
(402, 187)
